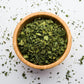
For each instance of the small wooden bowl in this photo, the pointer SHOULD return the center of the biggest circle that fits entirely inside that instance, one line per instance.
(28, 19)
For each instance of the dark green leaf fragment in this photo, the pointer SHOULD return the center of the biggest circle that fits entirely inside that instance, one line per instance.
(81, 60)
(72, 56)
(68, 75)
(6, 73)
(2, 64)
(7, 50)
(25, 56)
(38, 78)
(10, 69)
(4, 7)
(15, 70)
(11, 56)
(46, 38)
(80, 0)
(15, 18)
(81, 45)
(66, 15)
(24, 75)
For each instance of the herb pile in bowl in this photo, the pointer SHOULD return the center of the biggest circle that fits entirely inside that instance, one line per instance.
(43, 41)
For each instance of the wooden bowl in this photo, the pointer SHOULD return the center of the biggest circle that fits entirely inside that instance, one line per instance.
(28, 19)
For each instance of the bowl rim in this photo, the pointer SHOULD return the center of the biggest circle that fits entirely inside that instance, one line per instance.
(18, 53)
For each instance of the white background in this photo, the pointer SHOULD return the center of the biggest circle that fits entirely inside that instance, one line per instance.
(20, 8)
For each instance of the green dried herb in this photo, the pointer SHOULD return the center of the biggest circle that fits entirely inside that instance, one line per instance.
(4, 7)
(7, 50)
(6, 73)
(38, 78)
(11, 56)
(2, 64)
(78, 33)
(39, 83)
(68, 75)
(10, 69)
(81, 60)
(50, 76)
(20, 18)
(15, 70)
(24, 75)
(57, 73)
(31, 71)
(15, 18)
(66, 15)
(81, 45)
(72, 56)
(43, 41)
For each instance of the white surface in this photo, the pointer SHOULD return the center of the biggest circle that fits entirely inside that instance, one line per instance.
(21, 8)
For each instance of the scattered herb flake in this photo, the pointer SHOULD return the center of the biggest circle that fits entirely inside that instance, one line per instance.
(2, 64)
(7, 50)
(50, 72)
(10, 69)
(20, 19)
(81, 45)
(50, 76)
(15, 70)
(78, 33)
(31, 71)
(68, 75)
(66, 15)
(39, 83)
(4, 7)
(24, 75)
(57, 73)
(81, 60)
(37, 4)
(15, 18)
(72, 56)
(38, 78)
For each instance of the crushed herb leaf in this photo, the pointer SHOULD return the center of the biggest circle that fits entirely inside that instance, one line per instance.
(81, 60)
(72, 56)
(15, 18)
(66, 15)
(57, 73)
(80, 0)
(81, 45)
(10, 69)
(7, 50)
(24, 75)
(4, 7)
(38, 78)
(68, 75)
(2, 64)
(11, 56)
